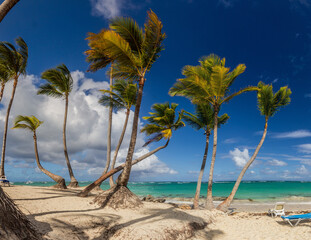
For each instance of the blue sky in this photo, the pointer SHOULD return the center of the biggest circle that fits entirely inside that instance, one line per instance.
(272, 38)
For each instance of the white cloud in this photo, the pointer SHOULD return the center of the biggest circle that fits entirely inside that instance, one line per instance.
(294, 134)
(252, 172)
(275, 162)
(230, 140)
(305, 148)
(302, 170)
(107, 8)
(86, 128)
(240, 157)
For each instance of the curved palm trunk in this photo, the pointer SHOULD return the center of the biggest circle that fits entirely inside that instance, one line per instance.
(73, 181)
(60, 181)
(6, 6)
(125, 175)
(209, 199)
(197, 192)
(119, 145)
(13, 223)
(226, 203)
(103, 177)
(2, 90)
(6, 126)
(109, 129)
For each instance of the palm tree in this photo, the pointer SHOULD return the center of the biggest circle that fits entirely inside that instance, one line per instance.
(268, 103)
(209, 83)
(203, 119)
(162, 123)
(6, 6)
(59, 85)
(121, 96)
(13, 63)
(32, 123)
(133, 51)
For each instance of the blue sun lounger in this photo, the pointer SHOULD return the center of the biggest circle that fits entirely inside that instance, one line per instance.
(297, 218)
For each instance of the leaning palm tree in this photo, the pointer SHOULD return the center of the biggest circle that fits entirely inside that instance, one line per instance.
(6, 6)
(122, 95)
(203, 119)
(268, 103)
(162, 123)
(4, 78)
(31, 124)
(13, 63)
(133, 51)
(59, 85)
(209, 82)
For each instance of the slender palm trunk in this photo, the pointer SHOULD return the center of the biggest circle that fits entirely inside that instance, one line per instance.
(119, 145)
(109, 129)
(197, 192)
(13, 222)
(209, 199)
(2, 174)
(103, 177)
(60, 181)
(2, 90)
(125, 175)
(73, 181)
(6, 6)
(226, 203)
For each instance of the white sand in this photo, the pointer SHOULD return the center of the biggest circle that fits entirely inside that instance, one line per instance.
(60, 214)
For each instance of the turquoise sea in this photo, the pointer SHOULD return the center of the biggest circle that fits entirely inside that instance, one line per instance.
(257, 191)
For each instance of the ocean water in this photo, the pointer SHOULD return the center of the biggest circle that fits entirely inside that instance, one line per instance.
(257, 191)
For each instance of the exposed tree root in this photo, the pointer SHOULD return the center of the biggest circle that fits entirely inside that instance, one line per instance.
(14, 225)
(118, 197)
(60, 185)
(74, 184)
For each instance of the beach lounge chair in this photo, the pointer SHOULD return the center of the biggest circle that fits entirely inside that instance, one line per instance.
(297, 218)
(4, 181)
(278, 210)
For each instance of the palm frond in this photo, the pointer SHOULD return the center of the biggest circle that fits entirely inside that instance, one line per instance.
(49, 90)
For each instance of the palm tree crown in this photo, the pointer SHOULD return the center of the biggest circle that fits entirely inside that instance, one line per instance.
(132, 49)
(30, 123)
(123, 95)
(59, 83)
(13, 60)
(162, 122)
(268, 102)
(203, 118)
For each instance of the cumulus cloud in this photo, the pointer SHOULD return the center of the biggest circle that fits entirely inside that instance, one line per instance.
(275, 162)
(302, 170)
(294, 134)
(86, 128)
(107, 8)
(305, 148)
(240, 157)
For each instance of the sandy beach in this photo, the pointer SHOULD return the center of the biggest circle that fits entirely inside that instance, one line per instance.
(60, 214)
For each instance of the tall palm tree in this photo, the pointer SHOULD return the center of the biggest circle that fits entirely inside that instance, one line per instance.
(59, 85)
(203, 119)
(268, 104)
(209, 82)
(122, 95)
(133, 51)
(13, 62)
(6, 6)
(162, 123)
(31, 123)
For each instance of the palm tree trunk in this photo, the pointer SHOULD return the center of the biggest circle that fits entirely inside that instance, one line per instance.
(209, 199)
(13, 222)
(125, 175)
(226, 203)
(6, 6)
(73, 181)
(60, 181)
(197, 192)
(119, 145)
(109, 129)
(2, 90)
(2, 174)
(103, 177)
